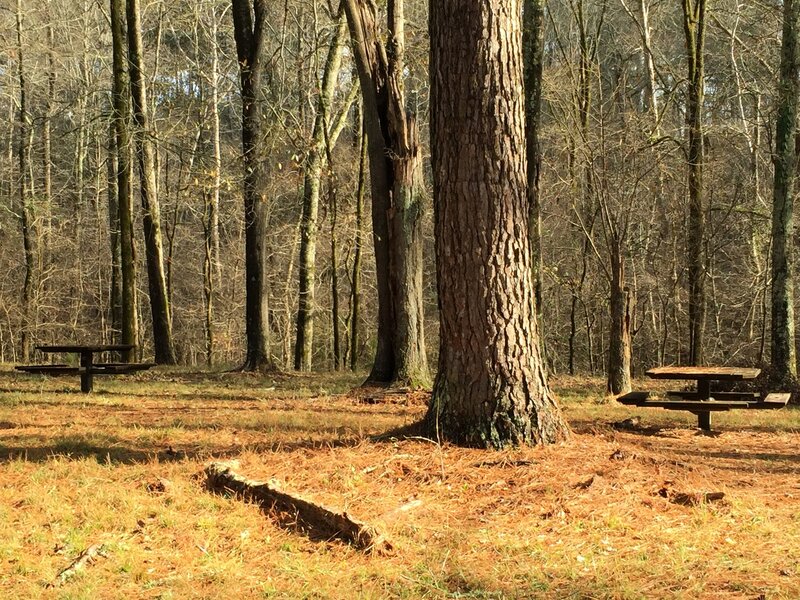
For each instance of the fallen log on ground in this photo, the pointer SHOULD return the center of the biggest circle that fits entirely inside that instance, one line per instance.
(319, 521)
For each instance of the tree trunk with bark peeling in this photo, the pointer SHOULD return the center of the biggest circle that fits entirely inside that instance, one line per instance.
(395, 169)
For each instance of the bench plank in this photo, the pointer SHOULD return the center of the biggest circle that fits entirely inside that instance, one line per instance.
(49, 369)
(633, 398)
(722, 396)
(696, 405)
(775, 400)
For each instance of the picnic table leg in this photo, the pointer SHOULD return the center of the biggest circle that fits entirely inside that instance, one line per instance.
(704, 393)
(86, 376)
(704, 420)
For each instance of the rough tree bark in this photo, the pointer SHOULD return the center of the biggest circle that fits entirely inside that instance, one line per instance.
(491, 389)
(395, 171)
(694, 25)
(154, 248)
(784, 359)
(249, 29)
(130, 322)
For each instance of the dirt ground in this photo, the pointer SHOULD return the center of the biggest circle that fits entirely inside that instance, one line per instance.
(657, 510)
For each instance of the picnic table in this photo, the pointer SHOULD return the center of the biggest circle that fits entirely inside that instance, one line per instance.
(702, 401)
(87, 368)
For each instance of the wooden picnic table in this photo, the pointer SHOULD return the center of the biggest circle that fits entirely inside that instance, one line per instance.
(703, 376)
(702, 401)
(87, 368)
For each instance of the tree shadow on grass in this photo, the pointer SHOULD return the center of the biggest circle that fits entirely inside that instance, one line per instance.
(117, 451)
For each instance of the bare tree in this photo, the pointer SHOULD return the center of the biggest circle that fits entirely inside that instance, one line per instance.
(784, 358)
(249, 23)
(311, 192)
(130, 321)
(154, 247)
(25, 182)
(694, 25)
(395, 172)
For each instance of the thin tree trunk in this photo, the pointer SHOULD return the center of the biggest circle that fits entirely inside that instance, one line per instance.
(491, 389)
(533, 44)
(208, 276)
(249, 33)
(304, 340)
(619, 354)
(130, 321)
(47, 144)
(115, 303)
(784, 358)
(355, 292)
(29, 230)
(217, 147)
(337, 342)
(154, 247)
(694, 28)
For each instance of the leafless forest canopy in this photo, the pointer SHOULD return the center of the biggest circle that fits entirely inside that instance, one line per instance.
(614, 142)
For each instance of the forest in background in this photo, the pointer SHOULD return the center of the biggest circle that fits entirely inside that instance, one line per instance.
(614, 186)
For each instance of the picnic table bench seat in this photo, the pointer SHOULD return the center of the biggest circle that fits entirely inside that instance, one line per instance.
(95, 369)
(88, 368)
(49, 369)
(693, 395)
(777, 399)
(719, 401)
(100, 368)
(633, 398)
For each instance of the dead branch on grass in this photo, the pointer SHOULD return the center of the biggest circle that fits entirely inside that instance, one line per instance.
(319, 520)
(84, 558)
(690, 498)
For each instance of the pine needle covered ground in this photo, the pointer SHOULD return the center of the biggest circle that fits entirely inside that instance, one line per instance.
(614, 513)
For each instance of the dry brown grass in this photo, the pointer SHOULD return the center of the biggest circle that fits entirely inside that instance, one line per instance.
(580, 520)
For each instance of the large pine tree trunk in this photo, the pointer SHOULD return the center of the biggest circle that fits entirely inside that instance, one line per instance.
(395, 162)
(694, 29)
(130, 322)
(249, 32)
(491, 389)
(154, 247)
(784, 359)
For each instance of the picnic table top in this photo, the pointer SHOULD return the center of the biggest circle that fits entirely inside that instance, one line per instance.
(700, 373)
(86, 348)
